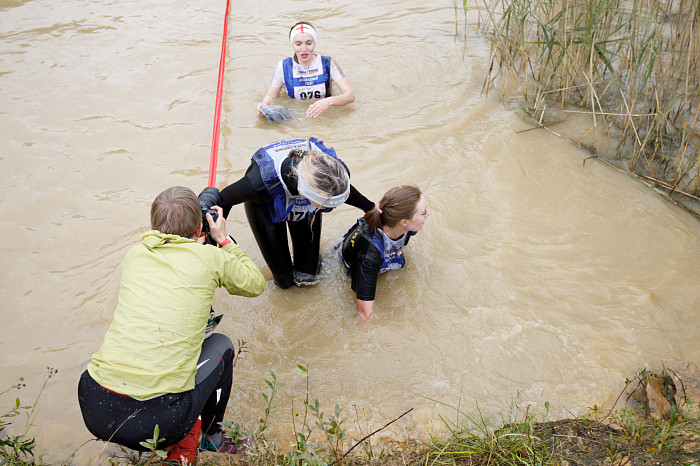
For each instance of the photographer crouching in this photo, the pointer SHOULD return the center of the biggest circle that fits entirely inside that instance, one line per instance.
(155, 366)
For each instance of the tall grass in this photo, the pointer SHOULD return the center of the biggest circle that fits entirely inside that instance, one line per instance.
(474, 441)
(633, 65)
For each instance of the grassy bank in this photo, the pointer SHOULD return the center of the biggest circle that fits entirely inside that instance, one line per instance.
(640, 433)
(632, 67)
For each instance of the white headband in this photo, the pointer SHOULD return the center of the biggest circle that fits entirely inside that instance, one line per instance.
(300, 29)
(320, 199)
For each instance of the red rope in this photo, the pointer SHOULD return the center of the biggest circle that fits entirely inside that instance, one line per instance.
(217, 113)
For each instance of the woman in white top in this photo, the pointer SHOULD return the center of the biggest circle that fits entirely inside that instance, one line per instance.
(308, 75)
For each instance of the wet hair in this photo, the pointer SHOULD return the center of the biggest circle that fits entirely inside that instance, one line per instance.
(324, 174)
(297, 154)
(176, 211)
(398, 203)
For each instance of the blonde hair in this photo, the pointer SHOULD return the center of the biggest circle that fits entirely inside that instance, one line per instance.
(176, 211)
(324, 174)
(398, 203)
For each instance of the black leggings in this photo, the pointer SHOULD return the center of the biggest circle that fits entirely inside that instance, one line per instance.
(272, 241)
(124, 420)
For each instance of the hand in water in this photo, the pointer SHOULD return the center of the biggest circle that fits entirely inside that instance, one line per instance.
(364, 316)
(318, 107)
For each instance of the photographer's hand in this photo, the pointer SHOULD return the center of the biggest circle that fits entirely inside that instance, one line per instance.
(217, 229)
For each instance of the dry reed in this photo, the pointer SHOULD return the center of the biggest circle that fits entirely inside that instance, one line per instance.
(633, 65)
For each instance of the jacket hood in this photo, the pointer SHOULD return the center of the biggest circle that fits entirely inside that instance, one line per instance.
(154, 238)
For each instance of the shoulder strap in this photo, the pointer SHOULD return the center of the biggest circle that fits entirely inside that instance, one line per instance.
(288, 68)
(326, 150)
(277, 206)
(327, 72)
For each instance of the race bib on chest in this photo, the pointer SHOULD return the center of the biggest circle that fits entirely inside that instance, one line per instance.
(301, 208)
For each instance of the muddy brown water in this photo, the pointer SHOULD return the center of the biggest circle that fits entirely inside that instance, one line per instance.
(535, 280)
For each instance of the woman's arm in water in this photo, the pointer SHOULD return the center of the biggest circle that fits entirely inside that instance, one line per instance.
(366, 272)
(272, 93)
(364, 309)
(346, 96)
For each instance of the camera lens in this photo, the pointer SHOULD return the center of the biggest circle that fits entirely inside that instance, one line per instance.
(208, 198)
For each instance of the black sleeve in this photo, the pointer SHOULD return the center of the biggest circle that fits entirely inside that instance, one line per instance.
(248, 188)
(364, 262)
(364, 278)
(357, 199)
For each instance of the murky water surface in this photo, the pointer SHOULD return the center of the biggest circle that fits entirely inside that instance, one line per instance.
(536, 278)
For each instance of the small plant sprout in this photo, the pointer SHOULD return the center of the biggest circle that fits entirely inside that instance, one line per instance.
(152, 445)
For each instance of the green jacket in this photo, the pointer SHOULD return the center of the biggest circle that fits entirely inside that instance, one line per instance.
(167, 287)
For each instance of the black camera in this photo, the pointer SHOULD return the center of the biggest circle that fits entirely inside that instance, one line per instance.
(208, 198)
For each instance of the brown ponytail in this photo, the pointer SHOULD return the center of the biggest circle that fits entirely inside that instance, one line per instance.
(398, 203)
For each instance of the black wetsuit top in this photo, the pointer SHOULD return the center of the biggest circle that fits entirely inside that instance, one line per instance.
(364, 261)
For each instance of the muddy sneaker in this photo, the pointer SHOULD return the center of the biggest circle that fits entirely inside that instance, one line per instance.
(226, 446)
(219, 443)
(305, 279)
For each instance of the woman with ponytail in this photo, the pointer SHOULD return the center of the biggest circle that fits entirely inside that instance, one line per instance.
(375, 243)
